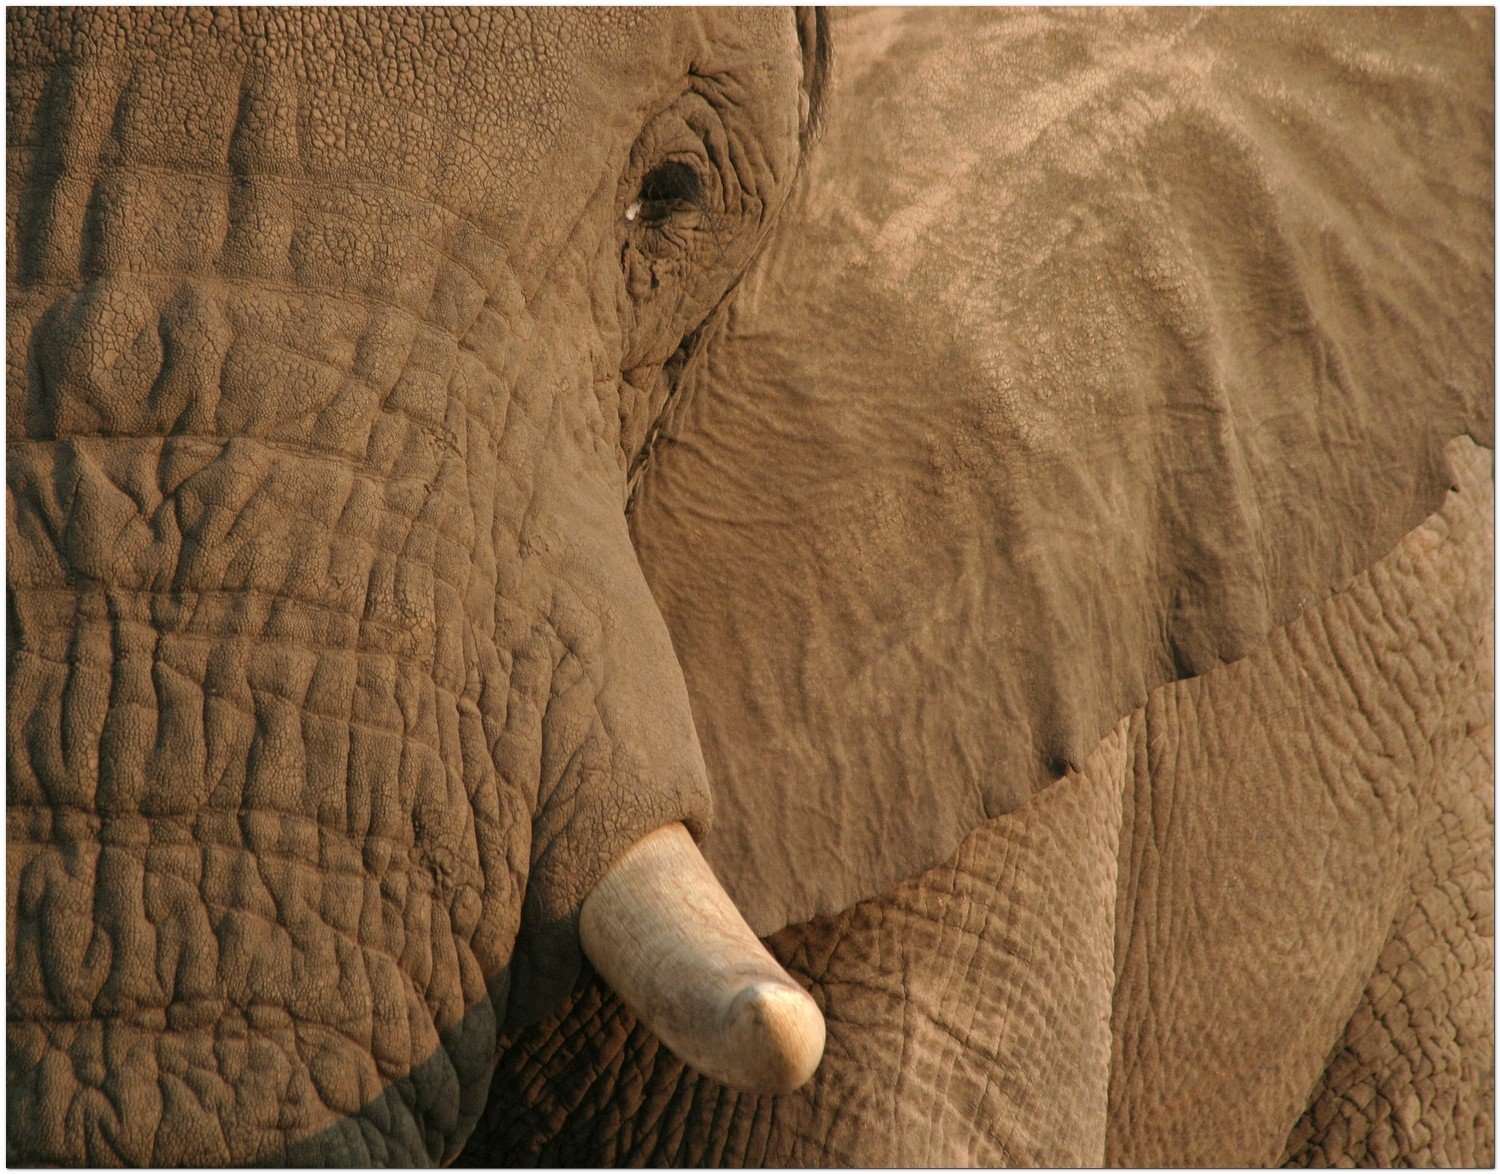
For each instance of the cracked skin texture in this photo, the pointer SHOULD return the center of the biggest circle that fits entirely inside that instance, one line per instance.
(334, 683)
(335, 680)
(1255, 927)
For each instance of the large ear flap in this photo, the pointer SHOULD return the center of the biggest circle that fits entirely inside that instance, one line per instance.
(1096, 347)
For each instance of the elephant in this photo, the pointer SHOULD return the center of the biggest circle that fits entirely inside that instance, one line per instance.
(508, 512)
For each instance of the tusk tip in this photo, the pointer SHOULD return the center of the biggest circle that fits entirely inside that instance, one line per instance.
(661, 930)
(778, 1035)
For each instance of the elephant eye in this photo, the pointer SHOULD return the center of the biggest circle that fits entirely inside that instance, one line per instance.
(667, 188)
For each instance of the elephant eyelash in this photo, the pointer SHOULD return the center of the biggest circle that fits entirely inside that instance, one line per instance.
(668, 189)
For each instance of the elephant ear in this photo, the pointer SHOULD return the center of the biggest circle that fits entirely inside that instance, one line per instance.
(1095, 347)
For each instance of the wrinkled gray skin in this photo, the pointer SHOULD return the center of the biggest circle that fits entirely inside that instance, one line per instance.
(367, 442)
(1256, 929)
(334, 680)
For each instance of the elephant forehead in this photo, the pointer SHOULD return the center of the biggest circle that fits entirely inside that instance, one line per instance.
(498, 115)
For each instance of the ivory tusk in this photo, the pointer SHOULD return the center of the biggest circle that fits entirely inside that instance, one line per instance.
(664, 934)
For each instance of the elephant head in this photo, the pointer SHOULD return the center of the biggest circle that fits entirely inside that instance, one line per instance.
(335, 684)
(387, 387)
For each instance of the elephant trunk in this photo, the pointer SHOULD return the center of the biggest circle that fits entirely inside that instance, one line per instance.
(315, 748)
(249, 914)
(268, 850)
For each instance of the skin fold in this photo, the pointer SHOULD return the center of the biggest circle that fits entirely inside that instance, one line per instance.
(1022, 500)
